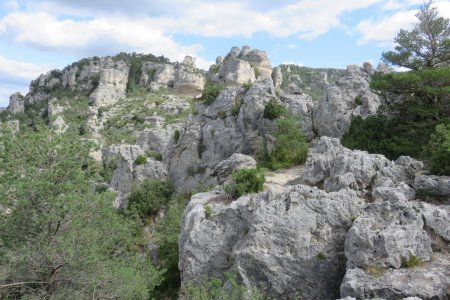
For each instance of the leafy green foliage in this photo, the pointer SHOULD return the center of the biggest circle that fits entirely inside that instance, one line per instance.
(59, 238)
(167, 234)
(439, 150)
(246, 181)
(236, 107)
(290, 147)
(409, 124)
(140, 160)
(208, 210)
(176, 136)
(210, 92)
(273, 110)
(214, 289)
(149, 196)
(413, 261)
(246, 86)
(426, 46)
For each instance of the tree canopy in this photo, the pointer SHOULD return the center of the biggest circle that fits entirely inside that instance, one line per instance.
(427, 45)
(59, 238)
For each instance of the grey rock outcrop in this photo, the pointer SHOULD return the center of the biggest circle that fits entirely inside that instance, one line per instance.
(235, 162)
(16, 103)
(433, 185)
(59, 125)
(112, 85)
(306, 227)
(219, 130)
(127, 173)
(240, 66)
(348, 97)
(334, 167)
(386, 235)
(188, 82)
(428, 281)
(157, 75)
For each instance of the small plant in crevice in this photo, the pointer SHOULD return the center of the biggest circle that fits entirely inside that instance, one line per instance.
(245, 181)
(210, 92)
(411, 262)
(176, 136)
(200, 149)
(246, 86)
(358, 100)
(321, 256)
(140, 160)
(273, 110)
(222, 114)
(236, 107)
(208, 210)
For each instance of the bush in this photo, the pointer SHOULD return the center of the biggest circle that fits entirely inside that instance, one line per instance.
(167, 234)
(236, 107)
(273, 110)
(149, 196)
(210, 92)
(140, 160)
(246, 181)
(412, 262)
(208, 210)
(439, 149)
(176, 136)
(246, 86)
(290, 147)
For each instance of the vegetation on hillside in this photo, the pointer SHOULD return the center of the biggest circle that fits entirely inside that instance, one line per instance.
(59, 238)
(415, 120)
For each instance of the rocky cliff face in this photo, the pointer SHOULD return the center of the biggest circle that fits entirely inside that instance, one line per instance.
(350, 224)
(351, 230)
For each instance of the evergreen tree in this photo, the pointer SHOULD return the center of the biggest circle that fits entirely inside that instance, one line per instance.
(426, 46)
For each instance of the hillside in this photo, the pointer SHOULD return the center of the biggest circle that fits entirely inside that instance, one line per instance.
(165, 144)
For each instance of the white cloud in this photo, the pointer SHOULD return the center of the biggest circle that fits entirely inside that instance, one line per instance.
(383, 31)
(21, 70)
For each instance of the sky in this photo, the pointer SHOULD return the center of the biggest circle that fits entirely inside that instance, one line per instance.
(39, 35)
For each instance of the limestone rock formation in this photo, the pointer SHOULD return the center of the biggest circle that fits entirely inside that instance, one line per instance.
(433, 185)
(127, 173)
(235, 162)
(273, 240)
(346, 98)
(112, 85)
(16, 103)
(240, 66)
(188, 81)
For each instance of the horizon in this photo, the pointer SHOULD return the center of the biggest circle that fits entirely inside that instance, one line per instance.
(41, 35)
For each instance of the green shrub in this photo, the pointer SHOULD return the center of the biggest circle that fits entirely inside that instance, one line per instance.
(167, 234)
(215, 68)
(140, 160)
(176, 136)
(246, 86)
(439, 150)
(412, 262)
(358, 100)
(222, 114)
(155, 155)
(321, 256)
(273, 110)
(210, 92)
(236, 107)
(200, 149)
(290, 147)
(246, 181)
(149, 196)
(208, 210)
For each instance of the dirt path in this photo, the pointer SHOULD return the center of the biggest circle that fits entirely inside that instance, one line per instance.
(280, 178)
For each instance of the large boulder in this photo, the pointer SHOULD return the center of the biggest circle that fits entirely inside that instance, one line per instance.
(433, 185)
(429, 281)
(387, 235)
(127, 173)
(344, 99)
(240, 67)
(189, 82)
(235, 162)
(16, 103)
(287, 243)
